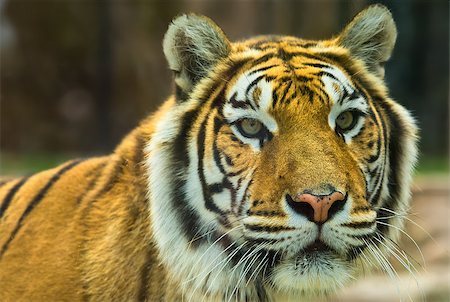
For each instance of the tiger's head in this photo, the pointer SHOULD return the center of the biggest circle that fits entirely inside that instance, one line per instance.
(281, 162)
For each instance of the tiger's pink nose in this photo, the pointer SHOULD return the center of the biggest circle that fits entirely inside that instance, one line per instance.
(318, 208)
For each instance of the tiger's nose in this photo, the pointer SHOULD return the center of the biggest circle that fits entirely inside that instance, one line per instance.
(317, 208)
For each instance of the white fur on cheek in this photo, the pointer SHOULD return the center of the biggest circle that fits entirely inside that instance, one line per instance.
(204, 267)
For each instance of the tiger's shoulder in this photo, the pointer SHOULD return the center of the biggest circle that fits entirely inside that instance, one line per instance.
(68, 215)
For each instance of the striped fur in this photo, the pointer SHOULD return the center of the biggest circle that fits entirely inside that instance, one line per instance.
(190, 208)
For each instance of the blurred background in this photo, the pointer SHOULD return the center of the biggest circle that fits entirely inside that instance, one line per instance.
(77, 75)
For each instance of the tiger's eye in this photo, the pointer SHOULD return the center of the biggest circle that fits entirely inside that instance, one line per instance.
(345, 120)
(250, 127)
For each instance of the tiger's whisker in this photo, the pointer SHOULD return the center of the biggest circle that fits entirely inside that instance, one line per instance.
(246, 267)
(417, 225)
(205, 252)
(223, 264)
(406, 234)
(385, 264)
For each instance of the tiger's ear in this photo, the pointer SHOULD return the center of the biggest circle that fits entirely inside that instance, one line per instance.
(192, 45)
(371, 36)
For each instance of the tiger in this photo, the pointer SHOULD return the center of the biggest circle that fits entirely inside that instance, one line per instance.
(278, 169)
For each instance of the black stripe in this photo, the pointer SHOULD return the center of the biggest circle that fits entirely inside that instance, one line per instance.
(373, 158)
(180, 94)
(233, 193)
(216, 187)
(187, 218)
(283, 55)
(263, 59)
(263, 69)
(323, 57)
(236, 173)
(266, 213)
(395, 147)
(216, 153)
(221, 80)
(274, 257)
(6, 181)
(374, 172)
(240, 104)
(285, 92)
(361, 209)
(354, 95)
(321, 98)
(330, 75)
(374, 198)
(201, 137)
(267, 228)
(36, 200)
(234, 69)
(340, 60)
(9, 197)
(145, 276)
(261, 45)
(243, 200)
(317, 65)
(117, 170)
(305, 90)
(254, 83)
(307, 45)
(274, 98)
(97, 171)
(114, 176)
(264, 240)
(359, 225)
(180, 143)
(138, 155)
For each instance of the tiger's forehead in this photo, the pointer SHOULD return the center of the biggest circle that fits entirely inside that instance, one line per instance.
(280, 72)
(274, 42)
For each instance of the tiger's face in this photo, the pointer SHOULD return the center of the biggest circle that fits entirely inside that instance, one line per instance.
(280, 160)
(286, 164)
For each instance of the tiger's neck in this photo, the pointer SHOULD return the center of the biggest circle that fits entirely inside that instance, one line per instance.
(117, 230)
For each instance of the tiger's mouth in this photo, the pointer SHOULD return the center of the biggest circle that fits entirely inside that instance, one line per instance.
(313, 250)
(317, 254)
(317, 246)
(318, 268)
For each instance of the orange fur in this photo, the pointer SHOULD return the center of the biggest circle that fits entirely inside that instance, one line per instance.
(88, 229)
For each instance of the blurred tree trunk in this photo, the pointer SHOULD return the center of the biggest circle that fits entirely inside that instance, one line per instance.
(80, 74)
(104, 75)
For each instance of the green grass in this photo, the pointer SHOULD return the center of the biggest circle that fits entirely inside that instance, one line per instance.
(28, 163)
(433, 165)
(23, 164)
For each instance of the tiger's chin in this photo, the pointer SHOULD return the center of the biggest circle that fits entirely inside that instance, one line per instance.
(312, 273)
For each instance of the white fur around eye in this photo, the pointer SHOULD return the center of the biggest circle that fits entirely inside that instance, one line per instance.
(253, 142)
(340, 104)
(350, 133)
(253, 110)
(348, 136)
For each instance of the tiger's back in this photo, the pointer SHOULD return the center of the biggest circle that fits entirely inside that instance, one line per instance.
(71, 229)
(27, 230)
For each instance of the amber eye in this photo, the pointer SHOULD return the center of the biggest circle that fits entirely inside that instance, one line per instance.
(250, 127)
(346, 120)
